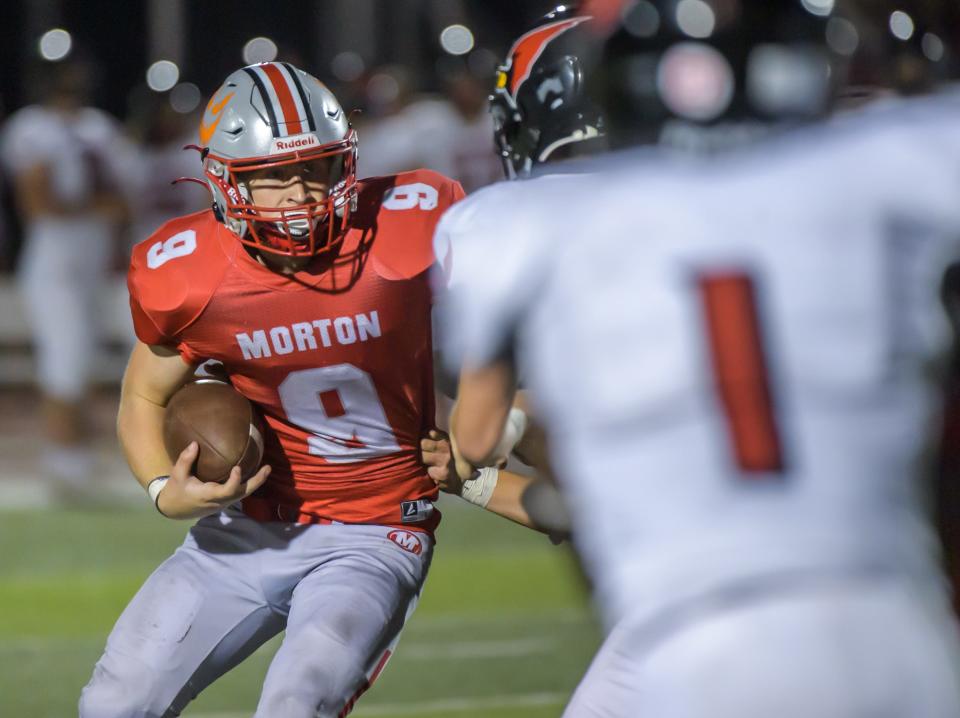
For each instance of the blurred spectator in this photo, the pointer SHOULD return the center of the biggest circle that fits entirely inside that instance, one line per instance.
(393, 124)
(160, 133)
(470, 140)
(61, 156)
(452, 135)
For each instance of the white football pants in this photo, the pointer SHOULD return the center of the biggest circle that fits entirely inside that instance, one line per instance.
(343, 593)
(845, 649)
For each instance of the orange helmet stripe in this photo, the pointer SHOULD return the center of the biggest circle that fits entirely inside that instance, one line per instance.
(529, 47)
(291, 117)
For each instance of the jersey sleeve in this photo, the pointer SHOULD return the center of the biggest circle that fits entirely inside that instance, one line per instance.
(171, 279)
(410, 206)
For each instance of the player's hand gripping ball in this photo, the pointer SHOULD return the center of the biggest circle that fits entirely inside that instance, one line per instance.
(222, 422)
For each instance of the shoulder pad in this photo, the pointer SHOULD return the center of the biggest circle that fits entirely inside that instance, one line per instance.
(408, 207)
(173, 275)
(482, 222)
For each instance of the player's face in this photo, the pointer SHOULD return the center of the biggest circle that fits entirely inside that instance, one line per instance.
(290, 185)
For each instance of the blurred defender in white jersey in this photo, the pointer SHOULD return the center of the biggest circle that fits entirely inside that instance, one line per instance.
(544, 121)
(732, 355)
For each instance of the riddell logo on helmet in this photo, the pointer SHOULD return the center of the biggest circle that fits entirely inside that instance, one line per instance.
(293, 143)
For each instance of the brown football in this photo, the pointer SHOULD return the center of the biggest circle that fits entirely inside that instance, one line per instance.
(222, 422)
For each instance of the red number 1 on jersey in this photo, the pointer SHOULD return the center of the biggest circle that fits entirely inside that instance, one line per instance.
(740, 370)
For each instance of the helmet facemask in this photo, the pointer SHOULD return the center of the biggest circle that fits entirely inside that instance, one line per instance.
(515, 144)
(294, 230)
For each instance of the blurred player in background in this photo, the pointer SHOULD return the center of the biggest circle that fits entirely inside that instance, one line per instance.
(732, 356)
(543, 118)
(160, 133)
(449, 134)
(62, 156)
(310, 287)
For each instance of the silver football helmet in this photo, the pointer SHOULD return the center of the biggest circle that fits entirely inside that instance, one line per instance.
(270, 115)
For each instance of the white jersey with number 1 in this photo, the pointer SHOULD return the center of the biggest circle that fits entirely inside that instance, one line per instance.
(730, 355)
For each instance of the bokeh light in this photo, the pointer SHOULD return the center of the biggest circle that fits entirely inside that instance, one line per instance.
(842, 36)
(55, 44)
(347, 66)
(821, 8)
(901, 25)
(696, 19)
(185, 98)
(260, 49)
(933, 47)
(456, 39)
(641, 19)
(162, 75)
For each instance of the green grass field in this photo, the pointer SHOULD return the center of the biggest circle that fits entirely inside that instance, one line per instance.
(502, 631)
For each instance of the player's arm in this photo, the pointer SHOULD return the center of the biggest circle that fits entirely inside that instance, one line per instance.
(525, 437)
(478, 421)
(153, 375)
(529, 501)
(531, 446)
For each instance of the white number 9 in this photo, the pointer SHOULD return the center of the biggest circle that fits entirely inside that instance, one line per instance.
(340, 407)
(179, 245)
(408, 196)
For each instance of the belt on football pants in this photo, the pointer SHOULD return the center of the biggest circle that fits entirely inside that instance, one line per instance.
(260, 509)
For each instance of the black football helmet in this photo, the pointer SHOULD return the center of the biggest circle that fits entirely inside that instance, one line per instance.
(540, 103)
(696, 64)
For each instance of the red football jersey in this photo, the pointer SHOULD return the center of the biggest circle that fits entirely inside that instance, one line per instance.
(338, 360)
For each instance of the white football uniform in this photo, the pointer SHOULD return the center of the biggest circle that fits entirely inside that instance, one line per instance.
(66, 258)
(731, 357)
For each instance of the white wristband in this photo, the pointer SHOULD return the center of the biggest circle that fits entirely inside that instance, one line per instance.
(479, 490)
(513, 431)
(155, 487)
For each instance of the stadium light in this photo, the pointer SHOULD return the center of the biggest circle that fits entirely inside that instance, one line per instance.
(932, 46)
(696, 19)
(259, 49)
(55, 44)
(347, 66)
(383, 88)
(821, 8)
(185, 97)
(162, 75)
(901, 25)
(694, 80)
(642, 20)
(842, 36)
(456, 39)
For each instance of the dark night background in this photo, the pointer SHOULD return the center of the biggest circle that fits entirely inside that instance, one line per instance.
(116, 34)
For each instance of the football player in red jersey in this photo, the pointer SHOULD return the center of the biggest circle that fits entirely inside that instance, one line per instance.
(311, 288)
